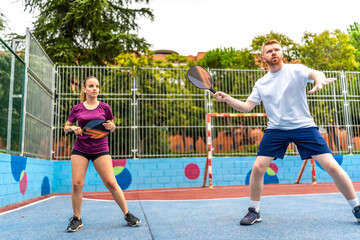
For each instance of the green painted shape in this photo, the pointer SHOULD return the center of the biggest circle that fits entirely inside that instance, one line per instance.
(22, 174)
(118, 170)
(270, 172)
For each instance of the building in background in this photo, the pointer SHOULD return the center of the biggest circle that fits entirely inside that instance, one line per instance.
(160, 55)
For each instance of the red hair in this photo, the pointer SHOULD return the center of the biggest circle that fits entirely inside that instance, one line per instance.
(270, 42)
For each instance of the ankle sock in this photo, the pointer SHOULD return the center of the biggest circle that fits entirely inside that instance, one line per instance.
(255, 204)
(353, 202)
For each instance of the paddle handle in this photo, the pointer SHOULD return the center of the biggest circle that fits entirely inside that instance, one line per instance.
(70, 132)
(212, 90)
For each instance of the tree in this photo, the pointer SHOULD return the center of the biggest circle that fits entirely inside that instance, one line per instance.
(90, 32)
(228, 58)
(133, 60)
(289, 47)
(176, 58)
(2, 21)
(328, 51)
(354, 34)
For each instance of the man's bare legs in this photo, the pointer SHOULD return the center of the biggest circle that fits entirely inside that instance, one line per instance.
(257, 176)
(340, 177)
(329, 164)
(256, 187)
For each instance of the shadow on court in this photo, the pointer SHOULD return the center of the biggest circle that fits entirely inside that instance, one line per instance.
(310, 216)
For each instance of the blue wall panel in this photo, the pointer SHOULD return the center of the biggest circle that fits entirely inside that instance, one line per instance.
(23, 178)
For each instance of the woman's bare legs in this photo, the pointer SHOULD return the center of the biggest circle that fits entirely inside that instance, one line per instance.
(104, 167)
(79, 165)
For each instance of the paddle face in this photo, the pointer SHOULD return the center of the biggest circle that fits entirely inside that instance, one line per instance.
(94, 129)
(200, 78)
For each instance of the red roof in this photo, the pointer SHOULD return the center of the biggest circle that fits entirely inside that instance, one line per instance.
(162, 54)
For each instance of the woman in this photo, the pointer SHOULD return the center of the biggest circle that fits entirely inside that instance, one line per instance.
(96, 150)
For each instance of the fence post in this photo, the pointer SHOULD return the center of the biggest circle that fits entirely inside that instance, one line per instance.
(347, 113)
(51, 142)
(27, 58)
(208, 103)
(134, 109)
(10, 109)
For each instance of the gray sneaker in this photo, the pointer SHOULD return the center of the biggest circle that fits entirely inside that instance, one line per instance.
(132, 220)
(74, 225)
(356, 212)
(251, 217)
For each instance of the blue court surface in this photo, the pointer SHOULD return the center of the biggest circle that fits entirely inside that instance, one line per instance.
(310, 216)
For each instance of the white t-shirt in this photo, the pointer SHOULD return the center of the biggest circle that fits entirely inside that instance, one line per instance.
(284, 97)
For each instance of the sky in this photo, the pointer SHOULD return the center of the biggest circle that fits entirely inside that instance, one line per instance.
(192, 26)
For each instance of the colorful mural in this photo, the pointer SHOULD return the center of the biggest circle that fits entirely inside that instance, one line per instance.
(122, 174)
(45, 186)
(270, 176)
(192, 171)
(18, 166)
(338, 158)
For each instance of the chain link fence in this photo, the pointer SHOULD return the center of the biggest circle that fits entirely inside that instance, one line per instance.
(12, 78)
(27, 97)
(38, 108)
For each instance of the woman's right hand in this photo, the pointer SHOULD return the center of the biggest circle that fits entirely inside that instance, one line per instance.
(76, 130)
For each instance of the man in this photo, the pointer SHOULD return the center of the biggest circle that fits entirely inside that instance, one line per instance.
(282, 91)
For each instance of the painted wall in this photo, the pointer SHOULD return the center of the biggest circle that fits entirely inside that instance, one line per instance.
(23, 178)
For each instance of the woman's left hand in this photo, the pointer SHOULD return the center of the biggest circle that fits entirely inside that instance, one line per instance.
(109, 125)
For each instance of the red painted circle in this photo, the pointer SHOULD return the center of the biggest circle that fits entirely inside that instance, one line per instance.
(274, 167)
(192, 171)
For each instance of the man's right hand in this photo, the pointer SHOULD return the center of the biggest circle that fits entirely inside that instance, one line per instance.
(237, 104)
(221, 96)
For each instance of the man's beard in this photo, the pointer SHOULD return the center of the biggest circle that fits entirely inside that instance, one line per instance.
(272, 63)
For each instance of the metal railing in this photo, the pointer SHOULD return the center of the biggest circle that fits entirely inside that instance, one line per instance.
(158, 113)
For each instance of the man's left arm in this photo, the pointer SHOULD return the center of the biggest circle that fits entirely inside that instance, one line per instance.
(320, 80)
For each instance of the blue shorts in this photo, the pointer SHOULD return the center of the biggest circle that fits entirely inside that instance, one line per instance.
(309, 142)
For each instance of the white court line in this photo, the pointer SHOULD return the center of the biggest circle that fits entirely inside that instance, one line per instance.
(102, 200)
(27, 205)
(184, 200)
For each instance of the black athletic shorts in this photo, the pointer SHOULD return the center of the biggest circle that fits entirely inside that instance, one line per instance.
(89, 157)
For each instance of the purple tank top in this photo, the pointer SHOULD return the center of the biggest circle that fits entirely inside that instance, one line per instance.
(82, 115)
